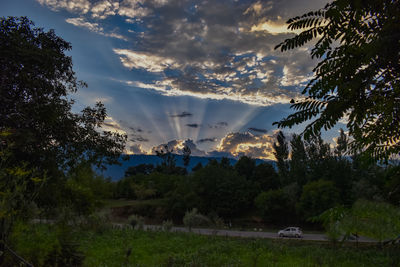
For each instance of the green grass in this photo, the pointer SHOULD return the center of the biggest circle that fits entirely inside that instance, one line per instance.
(111, 248)
(116, 203)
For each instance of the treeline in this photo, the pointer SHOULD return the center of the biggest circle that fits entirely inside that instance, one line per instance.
(310, 178)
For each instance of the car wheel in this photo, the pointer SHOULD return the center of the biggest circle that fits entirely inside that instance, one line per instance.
(297, 236)
(280, 235)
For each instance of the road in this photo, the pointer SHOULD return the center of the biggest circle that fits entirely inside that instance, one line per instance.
(249, 234)
(231, 233)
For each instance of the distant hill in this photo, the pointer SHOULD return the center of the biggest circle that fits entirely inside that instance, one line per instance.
(116, 172)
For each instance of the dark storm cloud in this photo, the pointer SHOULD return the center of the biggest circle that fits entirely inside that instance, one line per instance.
(257, 130)
(133, 129)
(193, 125)
(135, 134)
(213, 139)
(220, 124)
(182, 115)
(138, 138)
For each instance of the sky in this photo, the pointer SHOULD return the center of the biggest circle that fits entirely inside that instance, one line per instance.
(199, 73)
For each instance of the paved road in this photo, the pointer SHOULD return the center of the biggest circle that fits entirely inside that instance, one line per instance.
(251, 234)
(233, 233)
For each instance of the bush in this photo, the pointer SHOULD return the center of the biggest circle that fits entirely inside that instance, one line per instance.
(216, 220)
(47, 245)
(318, 196)
(97, 222)
(167, 225)
(137, 222)
(193, 218)
(273, 204)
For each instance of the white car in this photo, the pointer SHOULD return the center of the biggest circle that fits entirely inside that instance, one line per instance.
(291, 232)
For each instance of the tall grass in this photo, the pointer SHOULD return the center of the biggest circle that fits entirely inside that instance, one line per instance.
(119, 247)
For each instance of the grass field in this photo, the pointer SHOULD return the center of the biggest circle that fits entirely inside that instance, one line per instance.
(115, 247)
(116, 203)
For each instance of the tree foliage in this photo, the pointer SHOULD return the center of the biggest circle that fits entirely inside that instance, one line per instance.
(273, 204)
(358, 77)
(221, 190)
(377, 220)
(281, 153)
(36, 78)
(41, 139)
(186, 156)
(317, 197)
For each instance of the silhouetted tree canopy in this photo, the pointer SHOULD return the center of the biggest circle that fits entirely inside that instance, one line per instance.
(139, 169)
(358, 77)
(186, 156)
(35, 79)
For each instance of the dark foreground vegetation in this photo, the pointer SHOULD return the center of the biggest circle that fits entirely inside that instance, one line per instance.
(47, 155)
(313, 179)
(40, 244)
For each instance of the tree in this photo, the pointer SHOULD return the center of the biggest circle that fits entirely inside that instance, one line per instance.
(265, 177)
(19, 186)
(221, 190)
(377, 220)
(186, 156)
(168, 164)
(35, 79)
(317, 197)
(342, 144)
(358, 75)
(40, 137)
(319, 157)
(139, 169)
(299, 164)
(197, 167)
(274, 205)
(245, 166)
(281, 154)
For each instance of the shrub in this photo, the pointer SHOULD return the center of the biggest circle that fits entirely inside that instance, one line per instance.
(137, 222)
(167, 225)
(193, 218)
(273, 204)
(216, 220)
(318, 196)
(47, 245)
(97, 222)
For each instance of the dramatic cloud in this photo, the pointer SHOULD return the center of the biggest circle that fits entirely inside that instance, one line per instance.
(177, 147)
(238, 144)
(143, 60)
(193, 125)
(111, 125)
(103, 9)
(233, 145)
(138, 138)
(218, 50)
(135, 134)
(75, 6)
(206, 49)
(207, 140)
(136, 149)
(94, 27)
(133, 129)
(220, 124)
(258, 130)
(182, 115)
